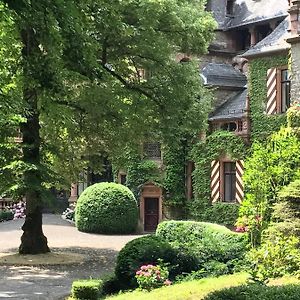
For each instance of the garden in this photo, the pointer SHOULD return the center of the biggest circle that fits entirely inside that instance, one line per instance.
(185, 259)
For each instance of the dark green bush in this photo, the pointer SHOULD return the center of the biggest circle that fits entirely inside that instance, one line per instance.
(208, 242)
(255, 292)
(112, 285)
(148, 250)
(6, 215)
(106, 208)
(86, 289)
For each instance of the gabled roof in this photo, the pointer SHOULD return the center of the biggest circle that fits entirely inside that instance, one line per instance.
(253, 11)
(275, 41)
(233, 108)
(223, 75)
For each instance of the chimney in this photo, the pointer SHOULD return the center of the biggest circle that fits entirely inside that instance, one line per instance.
(294, 12)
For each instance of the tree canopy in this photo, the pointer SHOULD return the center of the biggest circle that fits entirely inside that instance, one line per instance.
(95, 76)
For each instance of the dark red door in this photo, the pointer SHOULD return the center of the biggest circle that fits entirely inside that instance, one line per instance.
(151, 212)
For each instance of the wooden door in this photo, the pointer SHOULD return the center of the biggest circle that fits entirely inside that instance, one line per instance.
(151, 213)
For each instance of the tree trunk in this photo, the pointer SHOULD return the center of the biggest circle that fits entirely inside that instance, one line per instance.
(33, 240)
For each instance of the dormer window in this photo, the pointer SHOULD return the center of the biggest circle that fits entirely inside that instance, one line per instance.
(231, 126)
(229, 7)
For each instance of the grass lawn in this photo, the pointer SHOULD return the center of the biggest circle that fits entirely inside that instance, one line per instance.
(195, 290)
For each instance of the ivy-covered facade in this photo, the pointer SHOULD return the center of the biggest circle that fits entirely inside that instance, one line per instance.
(249, 68)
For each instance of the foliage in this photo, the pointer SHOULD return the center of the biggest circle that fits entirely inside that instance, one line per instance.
(222, 213)
(286, 211)
(256, 291)
(263, 125)
(112, 285)
(193, 290)
(106, 208)
(293, 116)
(271, 166)
(140, 172)
(212, 244)
(150, 277)
(277, 256)
(150, 250)
(86, 289)
(10, 95)
(203, 153)
(174, 157)
(81, 65)
(6, 215)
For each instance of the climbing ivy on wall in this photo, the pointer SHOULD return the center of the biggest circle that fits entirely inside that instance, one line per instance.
(141, 171)
(263, 125)
(174, 157)
(203, 153)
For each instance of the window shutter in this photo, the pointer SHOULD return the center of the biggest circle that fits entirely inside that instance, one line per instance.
(271, 91)
(215, 181)
(239, 196)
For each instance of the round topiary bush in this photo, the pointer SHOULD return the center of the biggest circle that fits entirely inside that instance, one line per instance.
(106, 208)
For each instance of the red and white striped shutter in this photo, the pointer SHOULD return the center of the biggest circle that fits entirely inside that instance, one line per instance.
(215, 181)
(271, 91)
(239, 181)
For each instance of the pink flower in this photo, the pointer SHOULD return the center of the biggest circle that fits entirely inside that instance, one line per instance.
(167, 282)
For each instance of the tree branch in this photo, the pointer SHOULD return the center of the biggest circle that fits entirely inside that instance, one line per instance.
(71, 105)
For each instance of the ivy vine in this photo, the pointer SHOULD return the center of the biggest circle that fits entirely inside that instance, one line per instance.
(263, 125)
(203, 153)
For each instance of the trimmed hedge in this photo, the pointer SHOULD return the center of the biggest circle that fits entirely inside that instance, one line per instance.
(210, 243)
(257, 291)
(148, 250)
(6, 215)
(106, 208)
(87, 289)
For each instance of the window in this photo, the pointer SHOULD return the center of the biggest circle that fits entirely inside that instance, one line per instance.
(285, 91)
(229, 180)
(152, 150)
(231, 126)
(229, 7)
(278, 90)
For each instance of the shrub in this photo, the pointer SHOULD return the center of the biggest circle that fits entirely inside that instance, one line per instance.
(286, 211)
(86, 289)
(150, 250)
(150, 277)
(6, 215)
(222, 213)
(293, 116)
(210, 243)
(106, 208)
(112, 285)
(277, 256)
(256, 291)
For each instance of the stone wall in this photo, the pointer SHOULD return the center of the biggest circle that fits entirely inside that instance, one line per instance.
(295, 71)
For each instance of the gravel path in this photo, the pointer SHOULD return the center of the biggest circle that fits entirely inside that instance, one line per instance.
(54, 282)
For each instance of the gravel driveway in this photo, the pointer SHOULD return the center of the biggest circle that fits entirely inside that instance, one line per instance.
(54, 282)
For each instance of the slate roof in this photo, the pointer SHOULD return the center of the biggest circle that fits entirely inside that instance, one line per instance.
(275, 41)
(254, 11)
(223, 75)
(233, 108)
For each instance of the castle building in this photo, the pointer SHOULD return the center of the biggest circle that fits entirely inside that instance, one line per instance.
(254, 66)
